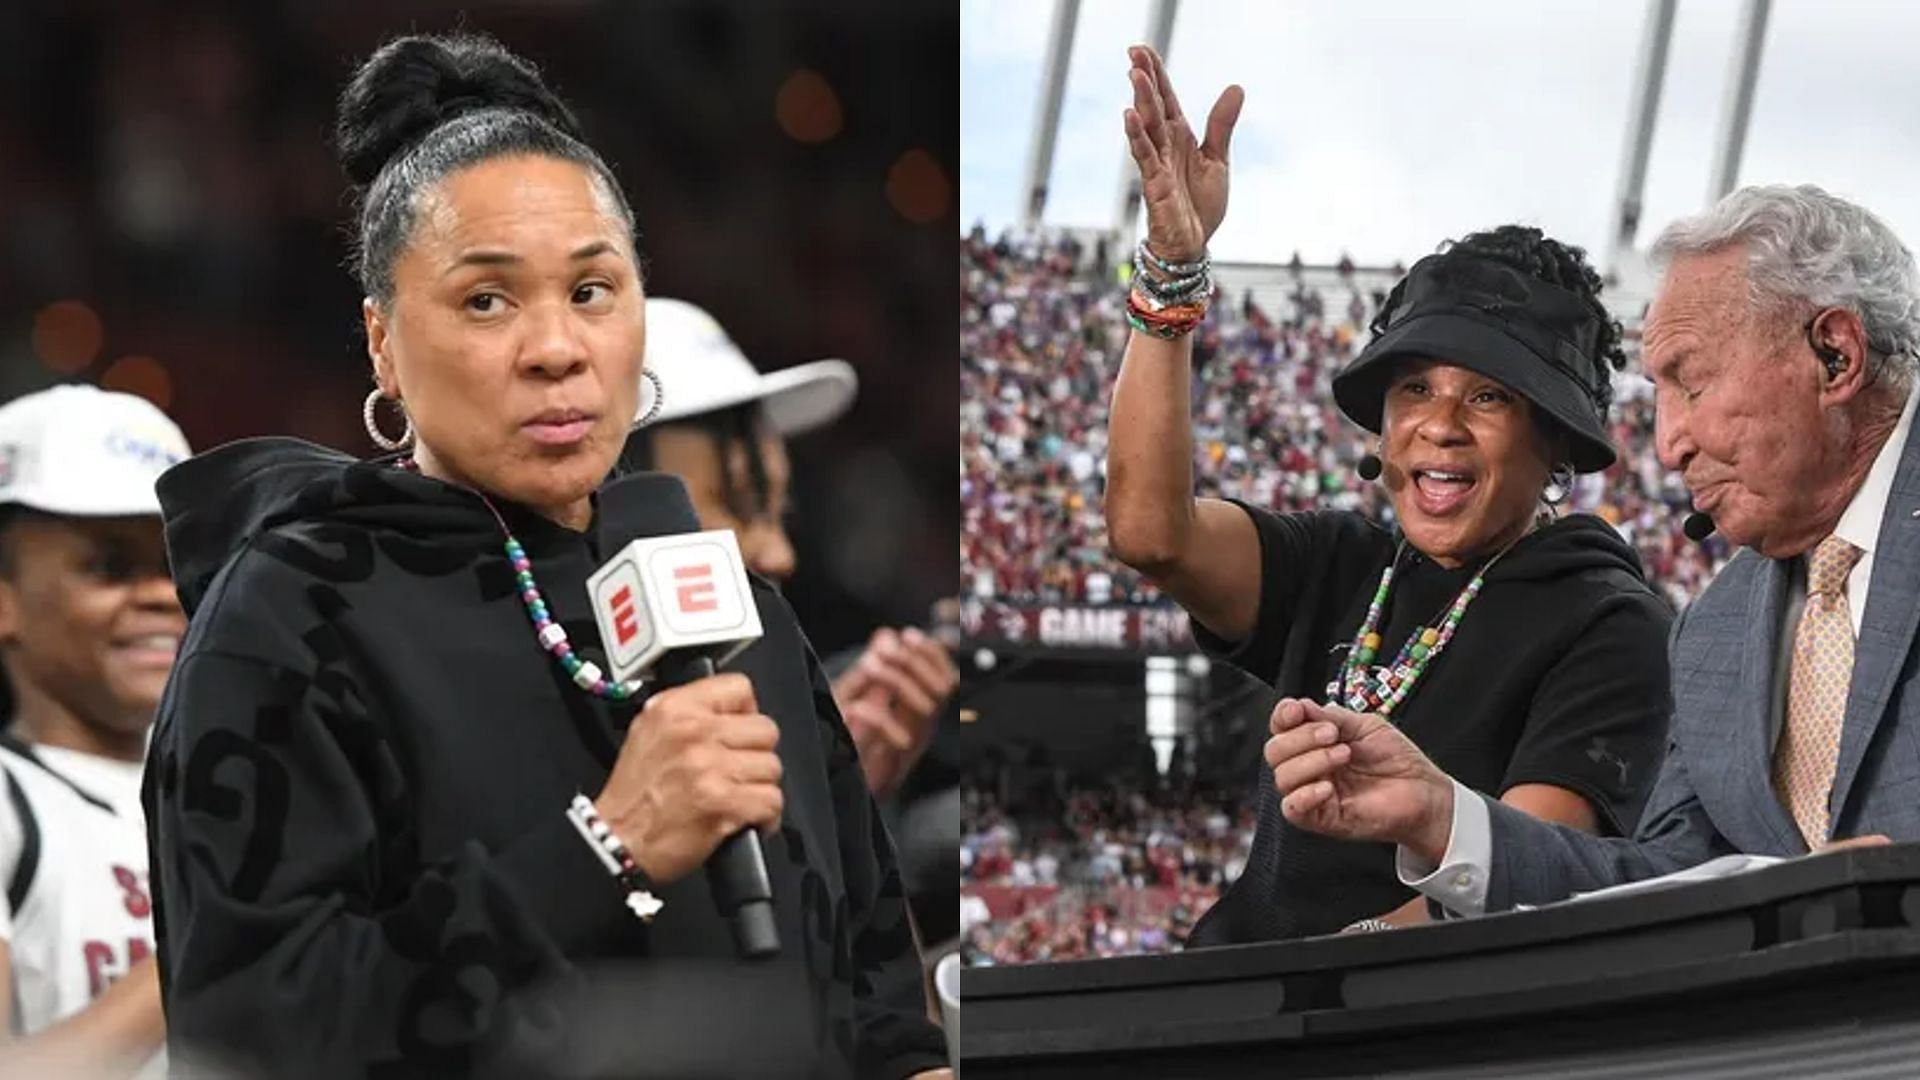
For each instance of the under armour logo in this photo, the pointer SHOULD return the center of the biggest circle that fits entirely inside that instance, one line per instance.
(1598, 752)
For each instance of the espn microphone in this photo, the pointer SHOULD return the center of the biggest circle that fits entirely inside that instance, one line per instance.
(672, 606)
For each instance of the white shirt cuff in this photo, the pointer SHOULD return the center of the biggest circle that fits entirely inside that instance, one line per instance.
(1459, 883)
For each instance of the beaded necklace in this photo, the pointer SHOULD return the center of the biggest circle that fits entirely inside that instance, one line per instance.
(1379, 690)
(552, 636)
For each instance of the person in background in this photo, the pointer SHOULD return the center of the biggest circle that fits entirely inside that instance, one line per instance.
(88, 628)
(724, 431)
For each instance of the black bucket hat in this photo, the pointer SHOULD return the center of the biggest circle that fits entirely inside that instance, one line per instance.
(1539, 340)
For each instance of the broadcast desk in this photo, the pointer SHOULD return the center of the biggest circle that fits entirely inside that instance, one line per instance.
(1808, 968)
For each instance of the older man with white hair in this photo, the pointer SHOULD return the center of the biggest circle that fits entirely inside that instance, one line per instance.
(1782, 345)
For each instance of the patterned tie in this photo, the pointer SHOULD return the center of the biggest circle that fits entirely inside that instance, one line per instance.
(1803, 763)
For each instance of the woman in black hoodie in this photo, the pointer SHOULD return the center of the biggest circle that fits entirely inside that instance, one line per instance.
(1522, 648)
(389, 779)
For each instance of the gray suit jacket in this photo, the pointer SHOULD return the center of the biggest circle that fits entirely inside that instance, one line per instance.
(1715, 794)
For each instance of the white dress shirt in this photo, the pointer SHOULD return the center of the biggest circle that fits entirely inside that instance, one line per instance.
(1459, 882)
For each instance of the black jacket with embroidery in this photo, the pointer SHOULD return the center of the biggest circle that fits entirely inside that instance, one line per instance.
(356, 794)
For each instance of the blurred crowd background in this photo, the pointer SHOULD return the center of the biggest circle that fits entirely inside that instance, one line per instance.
(1088, 872)
(172, 223)
(1062, 859)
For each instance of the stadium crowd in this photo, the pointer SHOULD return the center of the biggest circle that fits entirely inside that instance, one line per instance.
(1041, 336)
(1122, 870)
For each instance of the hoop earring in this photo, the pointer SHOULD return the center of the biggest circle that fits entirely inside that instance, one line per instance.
(380, 439)
(659, 399)
(1559, 485)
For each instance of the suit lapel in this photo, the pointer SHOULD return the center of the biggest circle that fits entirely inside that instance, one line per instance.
(1888, 624)
(1750, 772)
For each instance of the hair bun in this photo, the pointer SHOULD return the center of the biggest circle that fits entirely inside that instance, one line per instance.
(413, 84)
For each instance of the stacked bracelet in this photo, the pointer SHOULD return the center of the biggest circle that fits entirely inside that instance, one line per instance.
(1171, 269)
(1165, 322)
(615, 857)
(1168, 299)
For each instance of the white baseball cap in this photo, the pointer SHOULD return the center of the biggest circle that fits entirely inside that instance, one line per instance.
(81, 451)
(701, 370)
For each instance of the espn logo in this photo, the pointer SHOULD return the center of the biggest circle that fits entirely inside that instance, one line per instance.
(673, 592)
(695, 578)
(625, 626)
(693, 594)
(693, 589)
(619, 606)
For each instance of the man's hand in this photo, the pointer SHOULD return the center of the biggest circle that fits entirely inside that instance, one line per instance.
(891, 699)
(1356, 777)
(933, 1074)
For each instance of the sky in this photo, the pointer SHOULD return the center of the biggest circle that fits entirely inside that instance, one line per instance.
(1378, 128)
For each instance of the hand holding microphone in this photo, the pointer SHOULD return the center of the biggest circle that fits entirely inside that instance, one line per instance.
(698, 774)
(698, 765)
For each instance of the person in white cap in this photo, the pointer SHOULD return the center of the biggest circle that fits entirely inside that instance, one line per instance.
(722, 426)
(88, 628)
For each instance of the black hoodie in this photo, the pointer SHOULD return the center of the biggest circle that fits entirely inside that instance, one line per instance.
(356, 795)
(1556, 675)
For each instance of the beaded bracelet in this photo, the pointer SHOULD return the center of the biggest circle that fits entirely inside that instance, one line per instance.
(1162, 321)
(1164, 333)
(1168, 299)
(1184, 315)
(615, 857)
(1154, 302)
(1148, 328)
(1175, 291)
(1170, 277)
(1142, 253)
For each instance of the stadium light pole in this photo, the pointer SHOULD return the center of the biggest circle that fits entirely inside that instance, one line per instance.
(1160, 36)
(1737, 106)
(1046, 122)
(1649, 73)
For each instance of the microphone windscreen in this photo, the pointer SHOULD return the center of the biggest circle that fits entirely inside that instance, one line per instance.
(1698, 526)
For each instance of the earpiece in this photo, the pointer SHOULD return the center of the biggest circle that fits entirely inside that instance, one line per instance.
(1830, 358)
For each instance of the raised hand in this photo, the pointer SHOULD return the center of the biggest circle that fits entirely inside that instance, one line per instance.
(1182, 182)
(1356, 777)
